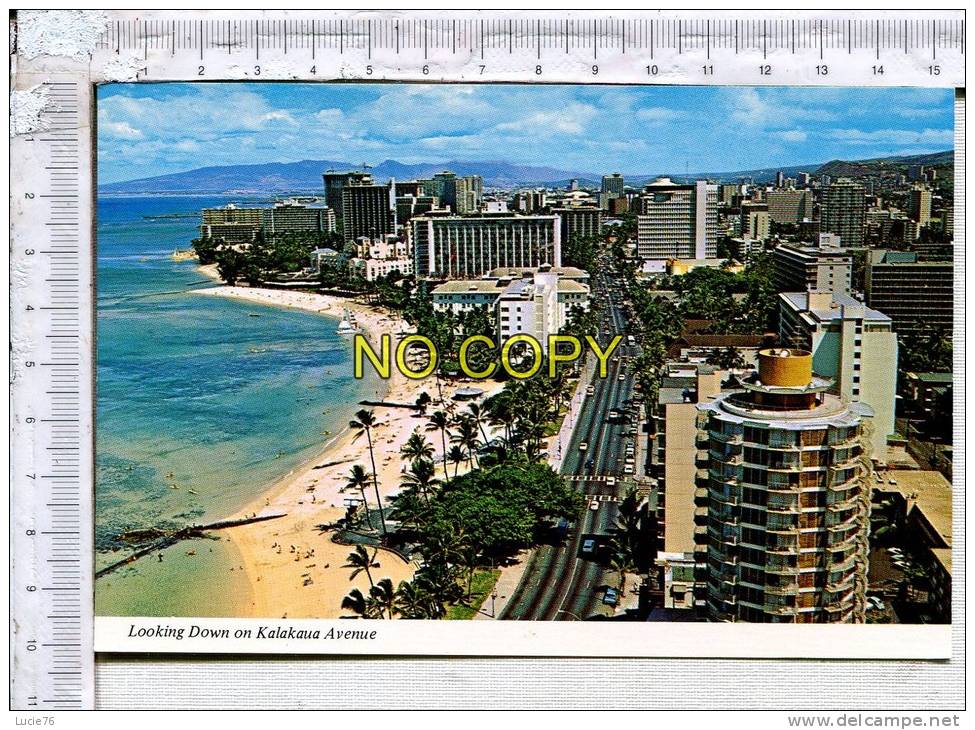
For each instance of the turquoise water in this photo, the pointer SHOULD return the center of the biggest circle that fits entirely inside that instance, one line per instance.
(195, 392)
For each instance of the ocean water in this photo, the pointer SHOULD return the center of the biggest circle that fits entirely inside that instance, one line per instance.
(195, 393)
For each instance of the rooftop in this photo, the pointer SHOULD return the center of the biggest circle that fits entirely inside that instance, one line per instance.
(567, 272)
(840, 305)
(943, 378)
(469, 286)
(931, 494)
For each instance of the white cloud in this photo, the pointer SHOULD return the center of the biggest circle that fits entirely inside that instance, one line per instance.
(658, 114)
(569, 120)
(792, 135)
(329, 116)
(278, 116)
(895, 137)
(121, 130)
(916, 113)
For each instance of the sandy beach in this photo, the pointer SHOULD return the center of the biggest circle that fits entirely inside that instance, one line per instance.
(294, 569)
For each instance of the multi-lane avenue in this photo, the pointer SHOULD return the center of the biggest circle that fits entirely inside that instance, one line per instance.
(567, 581)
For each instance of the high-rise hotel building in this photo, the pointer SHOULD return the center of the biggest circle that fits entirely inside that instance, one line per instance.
(455, 247)
(677, 221)
(844, 211)
(368, 211)
(788, 498)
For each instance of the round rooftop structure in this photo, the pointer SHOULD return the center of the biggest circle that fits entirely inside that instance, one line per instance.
(784, 367)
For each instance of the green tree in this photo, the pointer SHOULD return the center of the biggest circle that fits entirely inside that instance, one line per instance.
(728, 358)
(417, 447)
(364, 423)
(205, 249)
(357, 603)
(498, 510)
(440, 421)
(456, 457)
(384, 596)
(421, 478)
(466, 436)
(423, 401)
(358, 479)
(413, 601)
(361, 561)
(232, 265)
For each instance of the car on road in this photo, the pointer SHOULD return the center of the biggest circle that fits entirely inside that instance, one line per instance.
(591, 390)
(622, 376)
(611, 597)
(590, 463)
(594, 505)
(589, 545)
(583, 446)
(610, 481)
(628, 469)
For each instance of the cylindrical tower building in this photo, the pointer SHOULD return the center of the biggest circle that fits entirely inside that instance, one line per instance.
(788, 498)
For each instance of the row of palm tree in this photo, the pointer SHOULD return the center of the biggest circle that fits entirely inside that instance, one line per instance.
(421, 598)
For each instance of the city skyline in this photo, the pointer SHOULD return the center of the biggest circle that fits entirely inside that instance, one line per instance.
(157, 129)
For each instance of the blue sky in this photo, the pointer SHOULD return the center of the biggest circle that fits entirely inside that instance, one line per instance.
(154, 129)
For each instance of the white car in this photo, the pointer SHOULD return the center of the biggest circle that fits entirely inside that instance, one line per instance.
(628, 469)
(583, 446)
(610, 481)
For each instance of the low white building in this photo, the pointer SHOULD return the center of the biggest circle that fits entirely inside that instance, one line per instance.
(372, 269)
(536, 302)
(464, 295)
(324, 256)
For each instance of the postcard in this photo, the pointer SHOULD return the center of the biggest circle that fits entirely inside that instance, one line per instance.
(498, 353)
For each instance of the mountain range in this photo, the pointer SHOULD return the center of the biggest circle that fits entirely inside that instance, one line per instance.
(306, 176)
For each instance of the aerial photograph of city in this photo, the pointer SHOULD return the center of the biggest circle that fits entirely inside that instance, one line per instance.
(524, 352)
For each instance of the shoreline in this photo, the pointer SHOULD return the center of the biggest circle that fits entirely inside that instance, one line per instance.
(294, 570)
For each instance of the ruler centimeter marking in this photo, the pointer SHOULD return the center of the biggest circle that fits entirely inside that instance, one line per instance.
(51, 482)
(476, 36)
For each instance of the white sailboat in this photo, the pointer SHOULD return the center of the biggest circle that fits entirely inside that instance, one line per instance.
(347, 326)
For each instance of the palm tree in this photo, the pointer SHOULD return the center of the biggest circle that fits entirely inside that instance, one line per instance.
(456, 456)
(360, 561)
(365, 422)
(421, 477)
(440, 421)
(501, 411)
(621, 563)
(410, 509)
(412, 600)
(356, 602)
(466, 438)
(358, 479)
(383, 595)
(417, 447)
(422, 401)
(479, 415)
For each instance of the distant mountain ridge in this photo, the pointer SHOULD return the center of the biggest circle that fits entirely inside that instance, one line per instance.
(306, 176)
